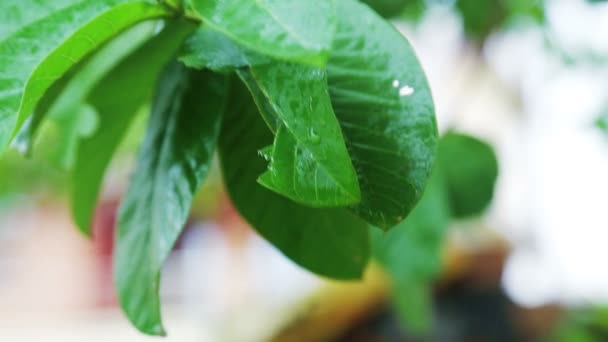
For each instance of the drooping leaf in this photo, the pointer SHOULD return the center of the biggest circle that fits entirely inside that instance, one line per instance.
(383, 102)
(175, 156)
(65, 102)
(411, 254)
(117, 97)
(329, 242)
(309, 163)
(470, 169)
(293, 30)
(36, 55)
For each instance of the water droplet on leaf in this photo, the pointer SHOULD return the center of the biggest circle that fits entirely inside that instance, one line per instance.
(406, 91)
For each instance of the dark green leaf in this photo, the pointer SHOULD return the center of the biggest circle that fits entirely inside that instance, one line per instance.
(36, 55)
(117, 97)
(294, 30)
(383, 102)
(470, 170)
(208, 48)
(309, 162)
(175, 156)
(411, 254)
(388, 8)
(329, 242)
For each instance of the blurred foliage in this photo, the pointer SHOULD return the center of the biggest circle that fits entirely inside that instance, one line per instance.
(583, 325)
(480, 18)
(462, 184)
(470, 168)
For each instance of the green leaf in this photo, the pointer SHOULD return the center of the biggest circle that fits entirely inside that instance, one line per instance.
(117, 97)
(293, 30)
(411, 254)
(37, 55)
(208, 48)
(388, 8)
(383, 102)
(17, 14)
(175, 156)
(329, 242)
(309, 163)
(470, 170)
(64, 103)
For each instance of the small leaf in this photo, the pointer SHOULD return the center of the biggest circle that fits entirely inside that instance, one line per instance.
(329, 242)
(411, 254)
(174, 158)
(470, 170)
(293, 30)
(383, 102)
(37, 55)
(310, 163)
(117, 97)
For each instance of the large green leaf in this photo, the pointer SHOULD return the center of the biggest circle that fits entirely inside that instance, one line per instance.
(117, 97)
(175, 156)
(16, 14)
(383, 102)
(36, 55)
(470, 170)
(329, 242)
(411, 254)
(294, 30)
(309, 161)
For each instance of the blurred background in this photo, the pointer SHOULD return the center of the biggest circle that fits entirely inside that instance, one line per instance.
(529, 77)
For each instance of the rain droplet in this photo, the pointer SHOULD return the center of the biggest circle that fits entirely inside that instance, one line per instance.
(314, 137)
(395, 83)
(406, 91)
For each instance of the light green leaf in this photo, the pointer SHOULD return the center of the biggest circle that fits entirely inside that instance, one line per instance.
(383, 102)
(329, 242)
(309, 163)
(470, 169)
(411, 254)
(16, 14)
(37, 55)
(64, 103)
(117, 97)
(175, 156)
(293, 30)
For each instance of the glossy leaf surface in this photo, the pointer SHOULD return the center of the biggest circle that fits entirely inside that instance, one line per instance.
(294, 30)
(174, 158)
(117, 97)
(309, 162)
(383, 102)
(37, 55)
(209, 48)
(329, 242)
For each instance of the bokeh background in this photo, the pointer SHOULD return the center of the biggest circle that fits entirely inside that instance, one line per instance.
(529, 77)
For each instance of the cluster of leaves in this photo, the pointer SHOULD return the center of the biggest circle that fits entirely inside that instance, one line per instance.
(320, 111)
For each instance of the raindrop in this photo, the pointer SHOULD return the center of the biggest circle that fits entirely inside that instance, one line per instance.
(406, 91)
(314, 137)
(395, 83)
